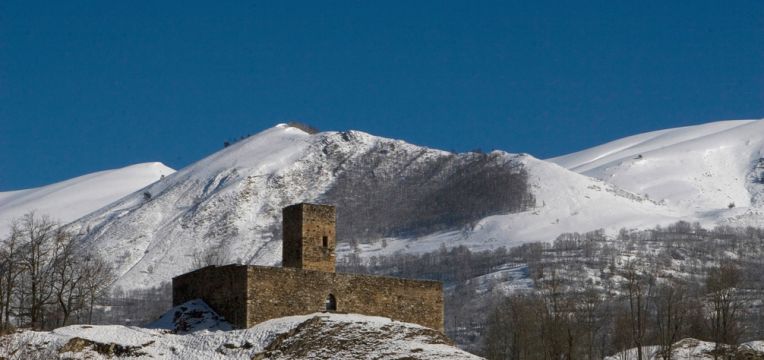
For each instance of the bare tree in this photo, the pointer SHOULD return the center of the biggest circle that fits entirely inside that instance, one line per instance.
(46, 278)
(67, 279)
(725, 305)
(216, 255)
(97, 277)
(589, 317)
(559, 335)
(515, 329)
(40, 245)
(9, 264)
(671, 312)
(638, 290)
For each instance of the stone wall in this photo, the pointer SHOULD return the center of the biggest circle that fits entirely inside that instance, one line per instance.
(309, 237)
(278, 292)
(248, 295)
(223, 288)
(291, 243)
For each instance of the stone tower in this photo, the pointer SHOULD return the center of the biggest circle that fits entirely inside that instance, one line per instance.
(309, 237)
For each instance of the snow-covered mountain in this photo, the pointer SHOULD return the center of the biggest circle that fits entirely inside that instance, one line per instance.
(697, 169)
(230, 202)
(418, 199)
(69, 200)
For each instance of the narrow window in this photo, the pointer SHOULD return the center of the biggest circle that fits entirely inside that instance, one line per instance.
(331, 303)
(326, 242)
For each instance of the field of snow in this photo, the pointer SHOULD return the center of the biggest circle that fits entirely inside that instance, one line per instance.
(69, 200)
(314, 336)
(699, 169)
(692, 349)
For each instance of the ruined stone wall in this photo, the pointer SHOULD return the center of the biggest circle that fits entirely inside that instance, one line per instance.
(223, 288)
(248, 295)
(278, 292)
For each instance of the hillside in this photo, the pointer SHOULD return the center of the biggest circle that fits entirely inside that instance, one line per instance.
(416, 198)
(205, 336)
(227, 206)
(700, 170)
(565, 202)
(71, 199)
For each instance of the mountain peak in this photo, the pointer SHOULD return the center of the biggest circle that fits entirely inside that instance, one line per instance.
(706, 166)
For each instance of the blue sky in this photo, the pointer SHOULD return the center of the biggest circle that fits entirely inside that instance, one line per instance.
(87, 86)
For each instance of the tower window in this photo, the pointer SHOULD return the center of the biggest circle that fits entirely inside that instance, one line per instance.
(326, 241)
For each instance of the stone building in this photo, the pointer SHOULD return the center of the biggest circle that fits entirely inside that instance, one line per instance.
(306, 283)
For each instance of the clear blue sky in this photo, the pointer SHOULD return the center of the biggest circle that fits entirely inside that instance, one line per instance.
(87, 86)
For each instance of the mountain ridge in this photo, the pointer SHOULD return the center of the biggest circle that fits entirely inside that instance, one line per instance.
(418, 199)
(71, 199)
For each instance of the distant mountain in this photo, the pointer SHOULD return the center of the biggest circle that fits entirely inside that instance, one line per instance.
(419, 199)
(71, 199)
(698, 169)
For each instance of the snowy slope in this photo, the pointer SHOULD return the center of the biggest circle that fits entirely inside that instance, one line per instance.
(315, 336)
(230, 202)
(699, 170)
(71, 199)
(565, 202)
(227, 201)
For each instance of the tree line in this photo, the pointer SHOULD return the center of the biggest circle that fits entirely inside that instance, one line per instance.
(46, 281)
(556, 322)
(589, 295)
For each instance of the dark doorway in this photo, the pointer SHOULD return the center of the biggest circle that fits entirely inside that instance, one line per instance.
(326, 242)
(331, 303)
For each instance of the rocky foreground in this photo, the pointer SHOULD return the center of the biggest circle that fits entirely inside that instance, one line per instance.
(193, 331)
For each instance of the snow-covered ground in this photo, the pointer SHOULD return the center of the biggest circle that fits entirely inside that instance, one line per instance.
(692, 349)
(314, 336)
(69, 200)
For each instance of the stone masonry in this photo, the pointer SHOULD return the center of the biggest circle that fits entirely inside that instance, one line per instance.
(247, 295)
(309, 237)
